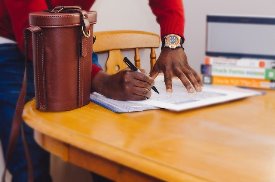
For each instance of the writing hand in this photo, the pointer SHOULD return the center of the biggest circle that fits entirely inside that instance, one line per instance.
(173, 62)
(124, 85)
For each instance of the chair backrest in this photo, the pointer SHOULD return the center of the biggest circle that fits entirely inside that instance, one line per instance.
(114, 42)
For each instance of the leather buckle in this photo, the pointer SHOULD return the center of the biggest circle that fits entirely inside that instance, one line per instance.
(85, 25)
(86, 34)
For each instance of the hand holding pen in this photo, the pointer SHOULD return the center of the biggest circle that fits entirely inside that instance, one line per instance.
(134, 68)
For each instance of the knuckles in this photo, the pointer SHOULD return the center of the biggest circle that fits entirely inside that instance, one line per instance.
(126, 77)
(127, 88)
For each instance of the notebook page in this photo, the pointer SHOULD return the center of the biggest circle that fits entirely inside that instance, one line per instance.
(180, 99)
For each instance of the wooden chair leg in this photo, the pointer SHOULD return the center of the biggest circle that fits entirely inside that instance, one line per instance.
(137, 58)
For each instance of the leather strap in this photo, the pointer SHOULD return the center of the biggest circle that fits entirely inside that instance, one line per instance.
(49, 4)
(39, 67)
(17, 122)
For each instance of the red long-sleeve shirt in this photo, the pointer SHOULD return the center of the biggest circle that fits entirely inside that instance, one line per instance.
(14, 16)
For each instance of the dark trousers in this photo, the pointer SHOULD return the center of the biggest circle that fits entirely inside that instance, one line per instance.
(11, 75)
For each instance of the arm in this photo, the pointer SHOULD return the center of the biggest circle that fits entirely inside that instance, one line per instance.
(170, 16)
(173, 62)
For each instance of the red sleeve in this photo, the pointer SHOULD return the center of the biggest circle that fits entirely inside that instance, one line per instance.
(19, 15)
(170, 16)
(95, 70)
(19, 10)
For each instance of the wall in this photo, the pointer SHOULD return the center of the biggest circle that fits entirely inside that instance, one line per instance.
(196, 11)
(136, 14)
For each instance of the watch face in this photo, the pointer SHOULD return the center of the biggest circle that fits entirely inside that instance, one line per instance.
(172, 41)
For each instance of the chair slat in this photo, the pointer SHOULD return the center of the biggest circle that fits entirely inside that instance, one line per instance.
(114, 42)
(115, 62)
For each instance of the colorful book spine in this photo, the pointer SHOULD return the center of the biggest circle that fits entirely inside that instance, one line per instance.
(239, 72)
(241, 62)
(242, 82)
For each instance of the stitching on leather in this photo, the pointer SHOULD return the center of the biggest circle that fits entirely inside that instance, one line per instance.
(82, 47)
(79, 83)
(86, 45)
(57, 25)
(43, 72)
(38, 76)
(83, 80)
(58, 16)
(82, 93)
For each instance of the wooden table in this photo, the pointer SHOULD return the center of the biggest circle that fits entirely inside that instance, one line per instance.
(230, 142)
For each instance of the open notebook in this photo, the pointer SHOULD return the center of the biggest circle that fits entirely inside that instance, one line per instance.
(178, 100)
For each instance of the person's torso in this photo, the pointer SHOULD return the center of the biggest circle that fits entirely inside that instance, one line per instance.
(6, 28)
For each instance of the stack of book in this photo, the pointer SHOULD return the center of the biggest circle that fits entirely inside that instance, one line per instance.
(244, 72)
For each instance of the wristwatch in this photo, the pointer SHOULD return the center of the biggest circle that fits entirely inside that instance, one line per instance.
(172, 41)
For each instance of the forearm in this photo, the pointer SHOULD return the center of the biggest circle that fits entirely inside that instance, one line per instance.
(98, 81)
(170, 16)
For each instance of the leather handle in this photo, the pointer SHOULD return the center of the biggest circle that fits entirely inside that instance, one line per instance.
(61, 9)
(17, 117)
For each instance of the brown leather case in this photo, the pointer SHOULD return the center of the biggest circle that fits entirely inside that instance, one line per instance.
(62, 49)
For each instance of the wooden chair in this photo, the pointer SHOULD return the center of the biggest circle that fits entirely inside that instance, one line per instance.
(114, 42)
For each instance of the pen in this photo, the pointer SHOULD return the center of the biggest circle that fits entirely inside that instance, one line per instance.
(133, 68)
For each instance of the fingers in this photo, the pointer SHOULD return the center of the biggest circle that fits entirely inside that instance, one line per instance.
(141, 93)
(198, 78)
(189, 73)
(185, 81)
(142, 84)
(188, 78)
(143, 78)
(137, 93)
(173, 62)
(137, 97)
(137, 86)
(168, 80)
